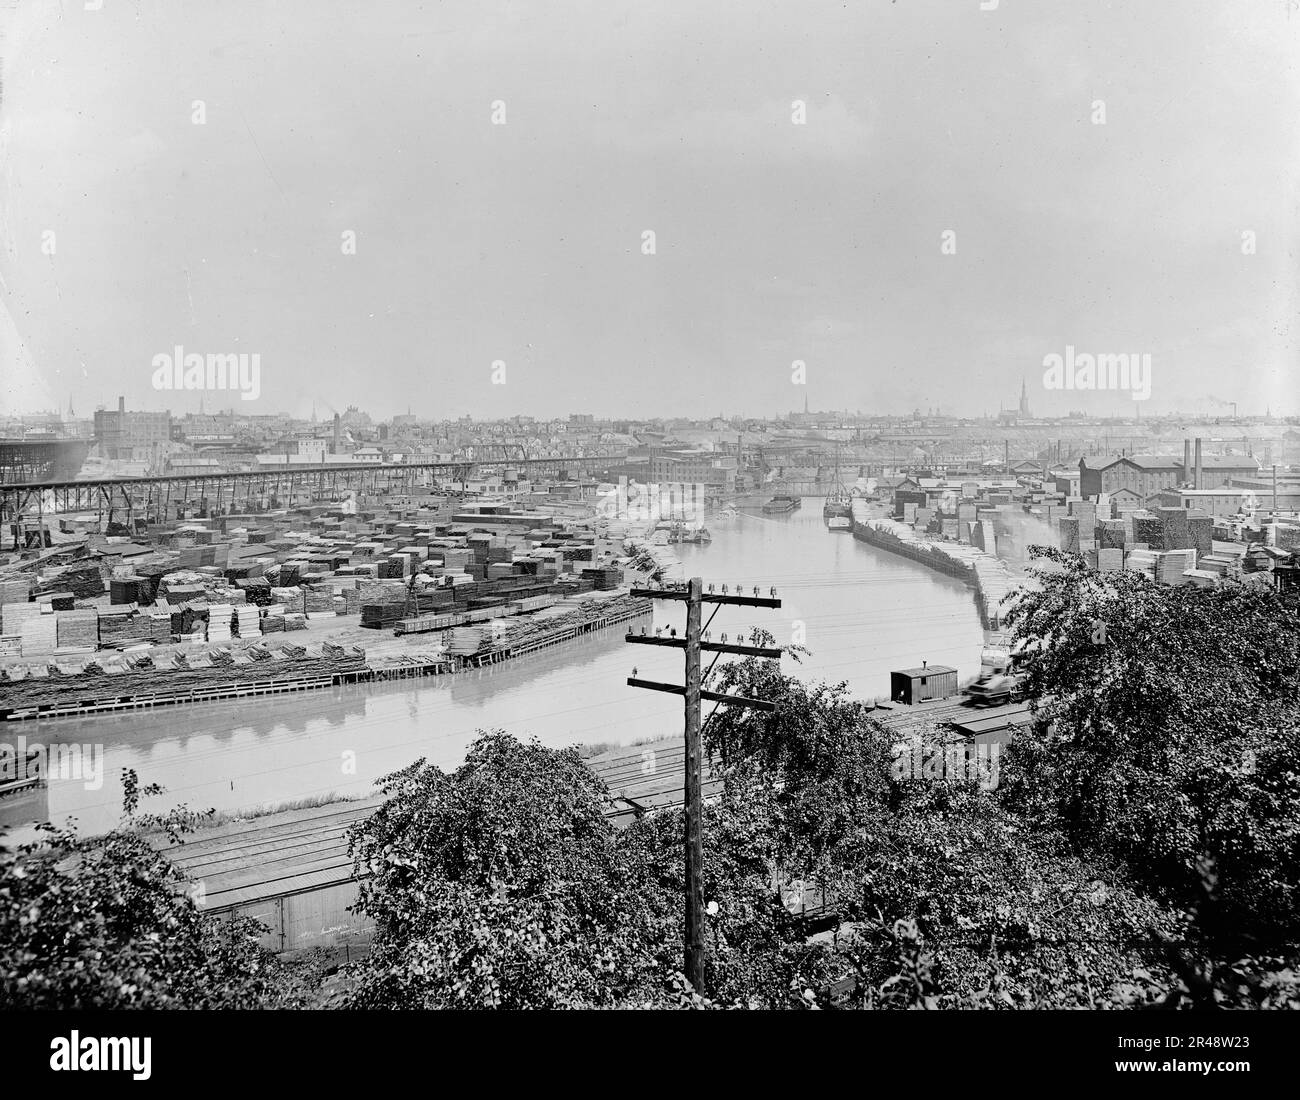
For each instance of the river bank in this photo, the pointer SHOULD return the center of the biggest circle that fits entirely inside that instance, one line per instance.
(95, 690)
(986, 574)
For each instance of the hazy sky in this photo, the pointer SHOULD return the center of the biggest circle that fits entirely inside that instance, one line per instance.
(774, 241)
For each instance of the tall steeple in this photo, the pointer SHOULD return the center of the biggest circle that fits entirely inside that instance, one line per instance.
(1024, 398)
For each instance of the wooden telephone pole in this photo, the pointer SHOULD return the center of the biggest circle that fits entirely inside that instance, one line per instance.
(695, 597)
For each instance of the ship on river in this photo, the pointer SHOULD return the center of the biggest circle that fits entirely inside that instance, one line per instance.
(677, 532)
(782, 502)
(838, 509)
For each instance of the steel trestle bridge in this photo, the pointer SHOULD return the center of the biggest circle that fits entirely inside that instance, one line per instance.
(272, 486)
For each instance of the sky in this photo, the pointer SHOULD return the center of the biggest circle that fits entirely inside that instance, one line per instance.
(969, 192)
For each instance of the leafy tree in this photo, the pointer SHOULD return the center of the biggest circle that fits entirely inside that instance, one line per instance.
(499, 885)
(1008, 915)
(1169, 733)
(818, 761)
(1004, 915)
(757, 953)
(108, 922)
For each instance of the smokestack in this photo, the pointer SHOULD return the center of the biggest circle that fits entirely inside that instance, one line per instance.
(1197, 483)
(121, 405)
(337, 440)
(1187, 461)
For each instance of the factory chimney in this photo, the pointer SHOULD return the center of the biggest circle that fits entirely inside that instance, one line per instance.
(337, 439)
(121, 406)
(1196, 484)
(1187, 461)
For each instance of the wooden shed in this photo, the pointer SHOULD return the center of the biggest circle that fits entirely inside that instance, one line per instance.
(916, 685)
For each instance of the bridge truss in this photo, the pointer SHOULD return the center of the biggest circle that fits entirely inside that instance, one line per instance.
(162, 497)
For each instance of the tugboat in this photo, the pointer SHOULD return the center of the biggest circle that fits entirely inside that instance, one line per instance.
(782, 502)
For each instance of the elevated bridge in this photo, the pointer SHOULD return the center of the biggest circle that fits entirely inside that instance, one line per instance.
(41, 459)
(274, 486)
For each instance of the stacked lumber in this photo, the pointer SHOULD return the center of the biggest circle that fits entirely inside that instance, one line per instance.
(1142, 561)
(128, 590)
(1109, 560)
(248, 621)
(219, 616)
(465, 641)
(160, 626)
(1174, 563)
(290, 599)
(318, 599)
(77, 629)
(16, 589)
(257, 591)
(84, 579)
(378, 616)
(39, 633)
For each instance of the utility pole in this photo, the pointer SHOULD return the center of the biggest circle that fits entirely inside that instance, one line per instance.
(695, 598)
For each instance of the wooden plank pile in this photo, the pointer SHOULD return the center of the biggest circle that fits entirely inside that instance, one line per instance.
(16, 589)
(248, 620)
(465, 641)
(77, 629)
(39, 632)
(219, 616)
(84, 579)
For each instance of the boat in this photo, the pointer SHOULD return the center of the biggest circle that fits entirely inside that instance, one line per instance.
(838, 509)
(782, 502)
(674, 532)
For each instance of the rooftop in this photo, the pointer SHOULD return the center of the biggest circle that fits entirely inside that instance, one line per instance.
(925, 670)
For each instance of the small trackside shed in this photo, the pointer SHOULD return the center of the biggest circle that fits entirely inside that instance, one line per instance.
(917, 685)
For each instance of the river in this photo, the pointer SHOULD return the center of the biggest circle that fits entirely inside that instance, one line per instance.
(862, 613)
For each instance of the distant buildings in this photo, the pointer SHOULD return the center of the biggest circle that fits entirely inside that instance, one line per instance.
(1143, 475)
(131, 436)
(1146, 475)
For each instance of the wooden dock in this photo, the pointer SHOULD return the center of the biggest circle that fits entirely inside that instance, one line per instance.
(403, 670)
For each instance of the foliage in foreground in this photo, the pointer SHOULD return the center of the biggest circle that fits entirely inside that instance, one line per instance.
(1140, 851)
(109, 922)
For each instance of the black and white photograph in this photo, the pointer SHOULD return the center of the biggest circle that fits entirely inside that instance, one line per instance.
(737, 513)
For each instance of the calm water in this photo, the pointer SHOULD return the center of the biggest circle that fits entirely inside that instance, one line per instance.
(864, 612)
